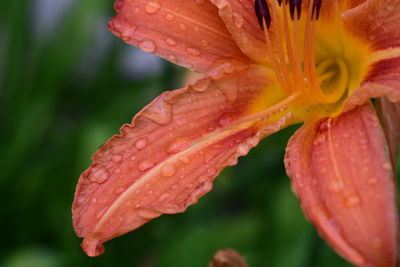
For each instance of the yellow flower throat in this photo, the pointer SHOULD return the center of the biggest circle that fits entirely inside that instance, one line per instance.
(316, 65)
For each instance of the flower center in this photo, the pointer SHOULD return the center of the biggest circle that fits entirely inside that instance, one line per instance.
(306, 60)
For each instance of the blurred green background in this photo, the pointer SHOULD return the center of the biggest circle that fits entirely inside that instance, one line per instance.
(66, 85)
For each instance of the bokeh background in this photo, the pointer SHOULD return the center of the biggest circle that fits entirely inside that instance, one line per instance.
(66, 85)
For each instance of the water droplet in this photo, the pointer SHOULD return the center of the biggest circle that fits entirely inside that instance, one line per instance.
(189, 186)
(193, 52)
(116, 158)
(200, 2)
(335, 185)
(387, 166)
(148, 213)
(145, 165)
(174, 187)
(141, 143)
(169, 17)
(226, 119)
(164, 197)
(159, 111)
(238, 20)
(170, 41)
(168, 170)
(201, 85)
(204, 42)
(172, 58)
(372, 181)
(184, 159)
(98, 174)
(119, 190)
(178, 145)
(148, 46)
(152, 7)
(324, 125)
(117, 170)
(352, 201)
(212, 172)
(182, 27)
(376, 242)
(319, 140)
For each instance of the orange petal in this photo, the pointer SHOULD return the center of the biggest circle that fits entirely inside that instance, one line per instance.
(376, 23)
(389, 113)
(169, 155)
(241, 21)
(383, 79)
(342, 173)
(188, 33)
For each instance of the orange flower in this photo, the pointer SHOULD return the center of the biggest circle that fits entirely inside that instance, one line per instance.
(267, 65)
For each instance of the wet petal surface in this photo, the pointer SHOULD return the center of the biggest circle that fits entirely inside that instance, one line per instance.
(342, 173)
(188, 33)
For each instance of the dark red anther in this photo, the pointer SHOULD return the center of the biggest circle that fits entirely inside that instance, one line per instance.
(316, 8)
(262, 13)
(295, 6)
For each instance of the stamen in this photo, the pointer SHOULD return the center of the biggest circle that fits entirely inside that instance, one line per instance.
(295, 8)
(262, 13)
(316, 9)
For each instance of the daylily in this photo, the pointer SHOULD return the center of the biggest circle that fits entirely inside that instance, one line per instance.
(266, 65)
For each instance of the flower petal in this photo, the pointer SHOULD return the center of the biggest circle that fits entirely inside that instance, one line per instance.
(342, 173)
(383, 79)
(389, 113)
(376, 23)
(241, 21)
(169, 155)
(188, 33)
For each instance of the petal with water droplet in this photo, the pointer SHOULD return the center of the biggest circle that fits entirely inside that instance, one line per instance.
(376, 23)
(241, 22)
(163, 27)
(179, 159)
(382, 79)
(345, 188)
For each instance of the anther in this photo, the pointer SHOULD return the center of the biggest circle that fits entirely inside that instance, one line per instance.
(316, 8)
(295, 7)
(262, 13)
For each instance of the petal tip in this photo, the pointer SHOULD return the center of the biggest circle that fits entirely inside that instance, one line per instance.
(92, 246)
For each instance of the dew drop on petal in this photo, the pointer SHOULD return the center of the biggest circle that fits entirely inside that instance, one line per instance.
(178, 145)
(182, 27)
(145, 165)
(184, 159)
(119, 190)
(168, 170)
(335, 185)
(148, 46)
(372, 181)
(226, 119)
(98, 174)
(141, 143)
(169, 17)
(164, 197)
(352, 201)
(172, 58)
(152, 7)
(387, 166)
(201, 85)
(148, 213)
(116, 158)
(170, 41)
(193, 52)
(319, 140)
